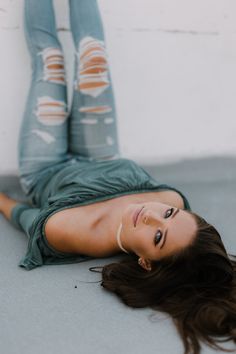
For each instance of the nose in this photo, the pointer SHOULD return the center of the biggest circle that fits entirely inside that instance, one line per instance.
(150, 217)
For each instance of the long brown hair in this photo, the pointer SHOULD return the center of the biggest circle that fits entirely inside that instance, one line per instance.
(196, 287)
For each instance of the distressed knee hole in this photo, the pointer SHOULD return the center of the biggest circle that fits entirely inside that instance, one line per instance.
(108, 120)
(89, 121)
(45, 136)
(109, 140)
(50, 111)
(92, 76)
(96, 109)
(54, 70)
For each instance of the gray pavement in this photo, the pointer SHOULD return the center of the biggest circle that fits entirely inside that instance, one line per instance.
(52, 310)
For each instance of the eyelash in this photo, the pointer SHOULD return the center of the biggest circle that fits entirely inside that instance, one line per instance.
(160, 236)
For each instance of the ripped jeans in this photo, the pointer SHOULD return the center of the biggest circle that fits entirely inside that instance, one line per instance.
(52, 134)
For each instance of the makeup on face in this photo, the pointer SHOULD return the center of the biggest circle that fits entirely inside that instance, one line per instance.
(158, 233)
(136, 215)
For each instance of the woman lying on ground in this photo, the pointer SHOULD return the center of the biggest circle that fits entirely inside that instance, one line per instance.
(86, 201)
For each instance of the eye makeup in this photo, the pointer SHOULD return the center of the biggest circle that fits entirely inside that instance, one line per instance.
(165, 234)
(163, 237)
(158, 235)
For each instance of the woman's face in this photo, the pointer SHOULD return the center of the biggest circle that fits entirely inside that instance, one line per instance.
(160, 229)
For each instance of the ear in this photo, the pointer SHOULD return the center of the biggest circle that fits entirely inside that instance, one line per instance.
(145, 263)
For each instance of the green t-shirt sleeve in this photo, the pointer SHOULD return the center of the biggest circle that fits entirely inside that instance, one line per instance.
(22, 216)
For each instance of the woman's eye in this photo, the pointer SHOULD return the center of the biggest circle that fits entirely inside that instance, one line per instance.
(169, 212)
(158, 237)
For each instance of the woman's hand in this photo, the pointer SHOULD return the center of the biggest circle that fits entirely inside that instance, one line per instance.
(6, 205)
(2, 199)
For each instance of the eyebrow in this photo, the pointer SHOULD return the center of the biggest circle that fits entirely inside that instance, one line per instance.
(165, 234)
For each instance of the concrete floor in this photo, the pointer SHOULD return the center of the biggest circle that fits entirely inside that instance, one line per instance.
(51, 309)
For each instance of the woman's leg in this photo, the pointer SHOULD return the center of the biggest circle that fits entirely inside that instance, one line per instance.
(43, 135)
(92, 125)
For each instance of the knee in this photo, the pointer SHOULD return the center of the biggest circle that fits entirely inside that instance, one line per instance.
(92, 75)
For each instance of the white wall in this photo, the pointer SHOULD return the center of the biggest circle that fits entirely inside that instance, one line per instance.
(173, 65)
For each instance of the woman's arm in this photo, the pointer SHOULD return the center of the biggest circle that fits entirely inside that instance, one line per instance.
(6, 205)
(20, 215)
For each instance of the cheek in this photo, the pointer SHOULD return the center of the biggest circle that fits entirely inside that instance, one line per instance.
(127, 216)
(146, 247)
(142, 243)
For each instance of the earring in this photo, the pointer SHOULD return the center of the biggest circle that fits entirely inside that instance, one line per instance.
(140, 261)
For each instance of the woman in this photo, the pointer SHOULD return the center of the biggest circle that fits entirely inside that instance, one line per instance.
(86, 201)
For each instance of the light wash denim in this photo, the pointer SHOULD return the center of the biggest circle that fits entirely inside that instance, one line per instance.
(52, 133)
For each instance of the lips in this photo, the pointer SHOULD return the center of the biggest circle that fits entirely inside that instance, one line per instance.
(136, 215)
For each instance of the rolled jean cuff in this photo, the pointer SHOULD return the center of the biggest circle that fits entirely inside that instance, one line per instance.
(16, 213)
